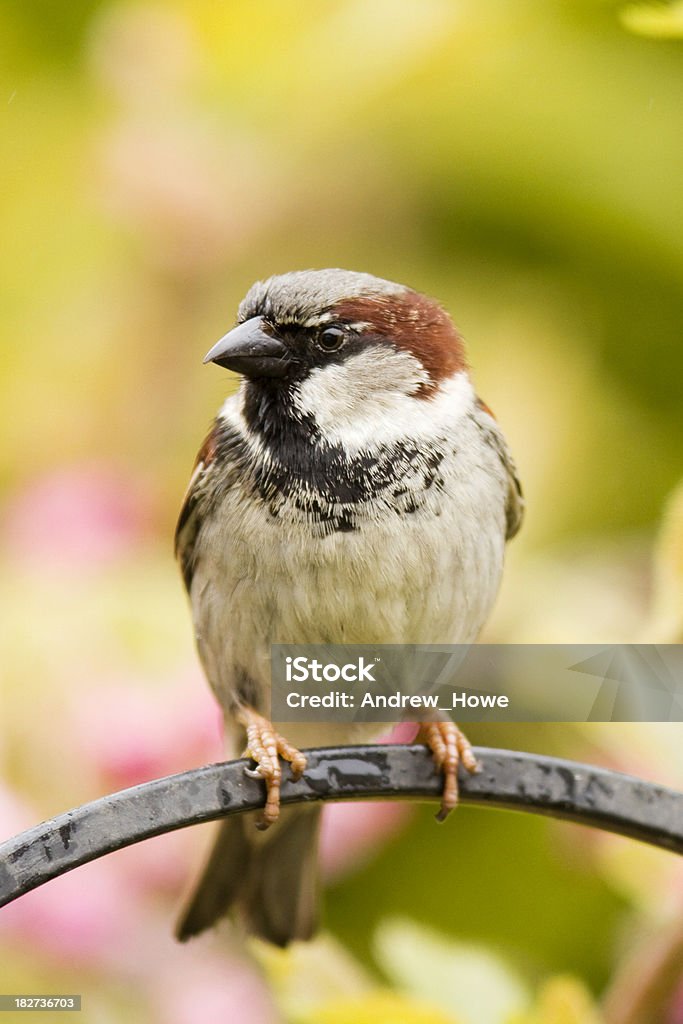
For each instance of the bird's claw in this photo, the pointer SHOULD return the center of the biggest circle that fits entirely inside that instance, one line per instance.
(266, 746)
(450, 748)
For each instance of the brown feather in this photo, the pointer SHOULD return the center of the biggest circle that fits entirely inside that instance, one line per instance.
(270, 878)
(187, 526)
(514, 504)
(416, 324)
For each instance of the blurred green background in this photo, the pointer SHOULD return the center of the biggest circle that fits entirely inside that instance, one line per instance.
(521, 161)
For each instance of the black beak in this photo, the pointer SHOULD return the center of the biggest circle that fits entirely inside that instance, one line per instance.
(247, 349)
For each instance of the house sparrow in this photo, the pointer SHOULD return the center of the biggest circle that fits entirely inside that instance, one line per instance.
(354, 490)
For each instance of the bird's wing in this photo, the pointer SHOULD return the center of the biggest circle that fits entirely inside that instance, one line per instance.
(492, 435)
(196, 496)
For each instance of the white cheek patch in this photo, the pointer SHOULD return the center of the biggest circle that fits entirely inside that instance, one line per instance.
(369, 399)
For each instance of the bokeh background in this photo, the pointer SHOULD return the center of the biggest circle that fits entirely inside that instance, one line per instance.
(523, 162)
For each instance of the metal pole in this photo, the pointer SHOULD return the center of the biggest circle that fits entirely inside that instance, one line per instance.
(517, 781)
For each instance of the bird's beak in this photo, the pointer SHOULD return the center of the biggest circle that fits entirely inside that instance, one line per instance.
(247, 349)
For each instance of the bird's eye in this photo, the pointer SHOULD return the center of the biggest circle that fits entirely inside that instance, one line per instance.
(331, 338)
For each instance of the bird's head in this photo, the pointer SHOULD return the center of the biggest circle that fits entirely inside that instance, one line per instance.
(343, 344)
(303, 323)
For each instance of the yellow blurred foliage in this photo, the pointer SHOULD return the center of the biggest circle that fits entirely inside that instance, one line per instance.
(561, 1000)
(380, 1007)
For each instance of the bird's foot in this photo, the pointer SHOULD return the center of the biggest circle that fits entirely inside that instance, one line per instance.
(266, 746)
(450, 747)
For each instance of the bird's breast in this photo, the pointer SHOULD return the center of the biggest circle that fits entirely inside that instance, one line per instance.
(418, 560)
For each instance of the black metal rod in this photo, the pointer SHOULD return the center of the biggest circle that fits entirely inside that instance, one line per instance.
(525, 782)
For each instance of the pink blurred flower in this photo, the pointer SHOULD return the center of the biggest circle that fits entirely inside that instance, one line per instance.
(402, 732)
(80, 918)
(126, 734)
(130, 735)
(15, 814)
(159, 866)
(193, 197)
(81, 517)
(352, 832)
(77, 918)
(199, 985)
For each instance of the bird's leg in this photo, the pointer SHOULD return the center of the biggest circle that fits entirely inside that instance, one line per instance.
(450, 747)
(265, 746)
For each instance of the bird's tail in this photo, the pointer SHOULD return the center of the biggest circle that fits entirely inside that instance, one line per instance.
(270, 877)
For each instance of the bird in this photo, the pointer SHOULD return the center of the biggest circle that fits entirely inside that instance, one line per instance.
(354, 489)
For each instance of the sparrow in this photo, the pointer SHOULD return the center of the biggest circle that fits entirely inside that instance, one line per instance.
(353, 490)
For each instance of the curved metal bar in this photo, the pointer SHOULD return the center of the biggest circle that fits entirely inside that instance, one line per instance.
(517, 781)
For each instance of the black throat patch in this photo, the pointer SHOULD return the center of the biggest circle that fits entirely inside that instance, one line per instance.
(298, 466)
